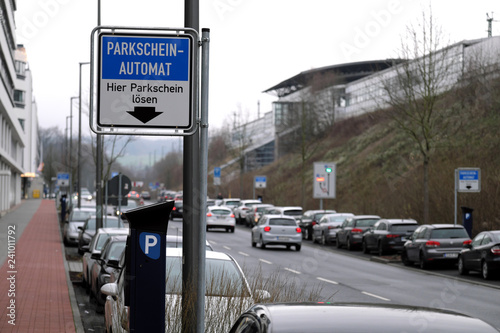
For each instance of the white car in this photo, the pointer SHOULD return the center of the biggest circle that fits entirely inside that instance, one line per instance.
(220, 217)
(240, 212)
(227, 294)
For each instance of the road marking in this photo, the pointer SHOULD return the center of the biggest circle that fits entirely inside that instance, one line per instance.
(265, 261)
(226, 247)
(292, 270)
(327, 281)
(244, 254)
(379, 297)
(213, 242)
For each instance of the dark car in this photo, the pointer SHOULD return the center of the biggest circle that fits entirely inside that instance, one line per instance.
(104, 263)
(325, 231)
(432, 243)
(309, 219)
(345, 317)
(145, 195)
(482, 254)
(388, 235)
(88, 230)
(177, 210)
(351, 231)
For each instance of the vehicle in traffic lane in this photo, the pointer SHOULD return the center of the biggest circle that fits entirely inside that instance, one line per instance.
(481, 254)
(309, 219)
(254, 214)
(351, 231)
(177, 210)
(434, 243)
(277, 230)
(241, 211)
(325, 231)
(388, 235)
(221, 217)
(325, 317)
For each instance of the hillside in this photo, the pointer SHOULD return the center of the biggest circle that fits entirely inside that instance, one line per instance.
(379, 169)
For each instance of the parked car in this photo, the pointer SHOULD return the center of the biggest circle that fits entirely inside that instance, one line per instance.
(325, 231)
(220, 217)
(88, 230)
(432, 243)
(176, 241)
(481, 254)
(95, 247)
(146, 195)
(344, 317)
(388, 235)
(76, 219)
(104, 263)
(255, 213)
(177, 210)
(230, 202)
(293, 211)
(133, 195)
(351, 231)
(309, 219)
(241, 211)
(277, 230)
(226, 288)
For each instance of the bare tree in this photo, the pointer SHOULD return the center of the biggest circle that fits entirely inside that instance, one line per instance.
(413, 92)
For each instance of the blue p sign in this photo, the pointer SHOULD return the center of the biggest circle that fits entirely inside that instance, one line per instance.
(150, 244)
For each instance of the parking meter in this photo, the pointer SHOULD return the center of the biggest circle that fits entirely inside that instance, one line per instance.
(145, 266)
(467, 219)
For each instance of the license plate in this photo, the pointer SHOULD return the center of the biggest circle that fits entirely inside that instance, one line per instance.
(221, 217)
(283, 238)
(403, 239)
(451, 255)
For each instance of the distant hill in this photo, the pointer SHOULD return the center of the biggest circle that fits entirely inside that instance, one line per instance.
(145, 151)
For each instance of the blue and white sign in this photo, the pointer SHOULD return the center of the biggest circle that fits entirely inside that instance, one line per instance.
(260, 182)
(62, 179)
(150, 244)
(145, 81)
(469, 180)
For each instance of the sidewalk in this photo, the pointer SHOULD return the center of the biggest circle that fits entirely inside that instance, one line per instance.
(36, 294)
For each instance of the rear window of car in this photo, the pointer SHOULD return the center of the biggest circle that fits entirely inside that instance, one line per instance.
(221, 212)
(282, 222)
(111, 223)
(449, 233)
(403, 227)
(292, 212)
(366, 222)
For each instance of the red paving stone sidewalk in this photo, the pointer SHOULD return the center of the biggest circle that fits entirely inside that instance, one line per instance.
(42, 302)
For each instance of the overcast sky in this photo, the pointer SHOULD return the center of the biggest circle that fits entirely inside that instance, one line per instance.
(255, 44)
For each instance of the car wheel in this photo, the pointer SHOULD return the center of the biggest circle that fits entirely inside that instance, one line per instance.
(485, 272)
(380, 249)
(350, 247)
(337, 243)
(262, 245)
(461, 267)
(313, 238)
(365, 247)
(232, 229)
(306, 234)
(423, 262)
(323, 239)
(254, 244)
(404, 259)
(297, 247)
(309, 233)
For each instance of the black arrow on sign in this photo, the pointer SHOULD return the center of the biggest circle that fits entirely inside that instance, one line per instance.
(144, 113)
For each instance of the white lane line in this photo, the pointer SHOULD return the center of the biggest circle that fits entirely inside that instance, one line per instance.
(226, 247)
(292, 270)
(327, 281)
(244, 254)
(265, 261)
(212, 242)
(376, 296)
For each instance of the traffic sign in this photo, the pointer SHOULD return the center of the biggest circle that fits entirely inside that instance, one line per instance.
(324, 181)
(217, 176)
(145, 81)
(260, 182)
(62, 179)
(469, 180)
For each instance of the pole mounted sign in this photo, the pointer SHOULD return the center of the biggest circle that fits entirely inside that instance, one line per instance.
(144, 81)
(324, 181)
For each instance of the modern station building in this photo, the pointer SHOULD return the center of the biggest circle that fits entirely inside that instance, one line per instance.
(18, 116)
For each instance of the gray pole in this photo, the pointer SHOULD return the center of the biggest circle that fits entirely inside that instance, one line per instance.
(71, 179)
(98, 173)
(455, 214)
(79, 186)
(192, 270)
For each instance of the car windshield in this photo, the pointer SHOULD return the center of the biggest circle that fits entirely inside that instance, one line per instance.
(261, 209)
(221, 212)
(78, 215)
(366, 222)
(112, 223)
(115, 250)
(336, 218)
(293, 212)
(232, 203)
(282, 222)
(223, 278)
(449, 233)
(403, 227)
(100, 241)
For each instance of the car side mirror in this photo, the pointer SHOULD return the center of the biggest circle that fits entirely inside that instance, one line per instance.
(110, 289)
(95, 256)
(114, 263)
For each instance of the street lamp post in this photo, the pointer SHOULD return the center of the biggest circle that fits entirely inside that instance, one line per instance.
(71, 179)
(79, 186)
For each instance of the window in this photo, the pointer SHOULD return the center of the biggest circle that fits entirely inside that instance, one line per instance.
(19, 97)
(20, 69)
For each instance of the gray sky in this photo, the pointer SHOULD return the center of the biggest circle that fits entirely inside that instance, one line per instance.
(255, 44)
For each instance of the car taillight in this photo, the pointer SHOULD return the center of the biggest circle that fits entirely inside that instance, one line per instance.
(267, 228)
(208, 214)
(174, 208)
(468, 242)
(313, 223)
(298, 230)
(232, 215)
(432, 244)
(392, 236)
(357, 230)
(495, 250)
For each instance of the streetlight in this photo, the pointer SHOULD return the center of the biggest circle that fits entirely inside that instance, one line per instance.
(71, 151)
(79, 187)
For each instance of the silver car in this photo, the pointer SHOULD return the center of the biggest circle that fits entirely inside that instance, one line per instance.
(277, 230)
(76, 219)
(325, 231)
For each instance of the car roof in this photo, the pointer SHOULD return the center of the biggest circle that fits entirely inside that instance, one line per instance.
(400, 221)
(360, 217)
(278, 216)
(437, 226)
(177, 252)
(386, 318)
(123, 231)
